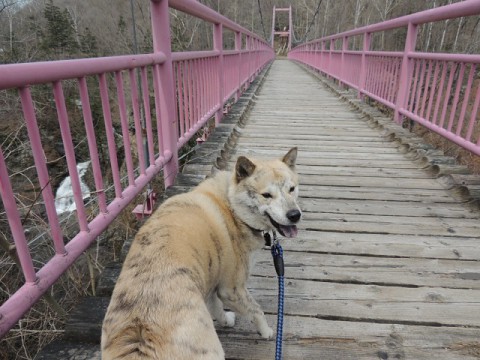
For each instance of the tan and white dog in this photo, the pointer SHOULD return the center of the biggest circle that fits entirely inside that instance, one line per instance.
(191, 258)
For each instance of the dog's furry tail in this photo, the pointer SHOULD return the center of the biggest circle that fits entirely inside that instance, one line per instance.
(133, 343)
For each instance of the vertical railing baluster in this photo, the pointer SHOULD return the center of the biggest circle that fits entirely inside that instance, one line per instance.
(384, 71)
(323, 57)
(419, 90)
(440, 92)
(456, 98)
(433, 90)
(109, 130)
(191, 109)
(122, 106)
(249, 58)
(393, 80)
(453, 70)
(180, 90)
(92, 145)
(195, 81)
(238, 48)
(466, 97)
(203, 94)
(473, 117)
(70, 154)
(416, 66)
(148, 115)
(16, 227)
(41, 167)
(426, 88)
(136, 120)
(158, 103)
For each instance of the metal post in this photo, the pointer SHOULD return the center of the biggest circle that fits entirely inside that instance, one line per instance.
(238, 47)
(218, 45)
(164, 79)
(290, 31)
(367, 37)
(273, 28)
(406, 72)
(342, 64)
(332, 48)
(322, 57)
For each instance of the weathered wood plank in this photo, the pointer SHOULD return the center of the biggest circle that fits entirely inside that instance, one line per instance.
(305, 137)
(382, 207)
(452, 224)
(411, 246)
(340, 146)
(366, 182)
(381, 305)
(387, 228)
(426, 196)
(311, 338)
(405, 272)
(369, 169)
(314, 151)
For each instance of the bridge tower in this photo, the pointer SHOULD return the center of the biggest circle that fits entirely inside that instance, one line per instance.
(282, 29)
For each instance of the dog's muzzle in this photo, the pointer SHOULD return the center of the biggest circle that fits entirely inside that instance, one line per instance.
(289, 231)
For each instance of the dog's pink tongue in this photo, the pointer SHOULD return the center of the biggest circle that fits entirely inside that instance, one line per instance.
(289, 231)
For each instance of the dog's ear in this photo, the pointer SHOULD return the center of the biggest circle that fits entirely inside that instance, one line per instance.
(290, 158)
(244, 168)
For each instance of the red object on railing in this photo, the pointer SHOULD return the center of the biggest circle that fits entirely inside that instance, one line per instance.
(189, 88)
(424, 87)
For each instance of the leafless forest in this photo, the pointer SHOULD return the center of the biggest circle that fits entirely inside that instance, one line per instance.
(104, 27)
(39, 30)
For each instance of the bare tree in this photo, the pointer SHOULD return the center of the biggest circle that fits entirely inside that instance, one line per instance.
(5, 4)
(384, 9)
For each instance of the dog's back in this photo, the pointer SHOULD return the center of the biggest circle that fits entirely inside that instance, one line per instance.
(191, 259)
(158, 308)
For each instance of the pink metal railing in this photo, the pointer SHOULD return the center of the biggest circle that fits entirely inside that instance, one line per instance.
(436, 90)
(188, 87)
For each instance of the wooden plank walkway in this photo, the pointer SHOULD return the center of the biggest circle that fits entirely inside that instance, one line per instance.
(386, 264)
(387, 261)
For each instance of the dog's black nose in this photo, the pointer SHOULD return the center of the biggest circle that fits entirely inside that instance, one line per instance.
(294, 215)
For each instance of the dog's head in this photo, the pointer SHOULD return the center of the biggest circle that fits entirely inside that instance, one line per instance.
(264, 194)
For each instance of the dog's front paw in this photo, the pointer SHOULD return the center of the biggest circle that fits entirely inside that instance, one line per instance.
(266, 332)
(229, 319)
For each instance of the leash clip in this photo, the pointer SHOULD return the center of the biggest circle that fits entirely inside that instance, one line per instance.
(277, 254)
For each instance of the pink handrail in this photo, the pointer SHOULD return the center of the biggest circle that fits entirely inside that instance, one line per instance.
(189, 88)
(415, 85)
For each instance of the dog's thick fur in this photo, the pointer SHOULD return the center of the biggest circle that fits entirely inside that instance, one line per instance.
(192, 257)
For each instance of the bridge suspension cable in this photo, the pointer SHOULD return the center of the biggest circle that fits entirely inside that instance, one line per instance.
(311, 22)
(261, 20)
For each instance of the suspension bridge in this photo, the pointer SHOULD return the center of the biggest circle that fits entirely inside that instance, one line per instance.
(387, 262)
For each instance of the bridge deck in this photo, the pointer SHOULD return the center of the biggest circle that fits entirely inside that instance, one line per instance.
(386, 264)
(387, 261)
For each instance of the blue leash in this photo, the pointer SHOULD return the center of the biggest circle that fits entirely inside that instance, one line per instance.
(277, 254)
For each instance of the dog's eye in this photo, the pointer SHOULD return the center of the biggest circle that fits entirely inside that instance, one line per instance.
(267, 195)
(292, 189)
